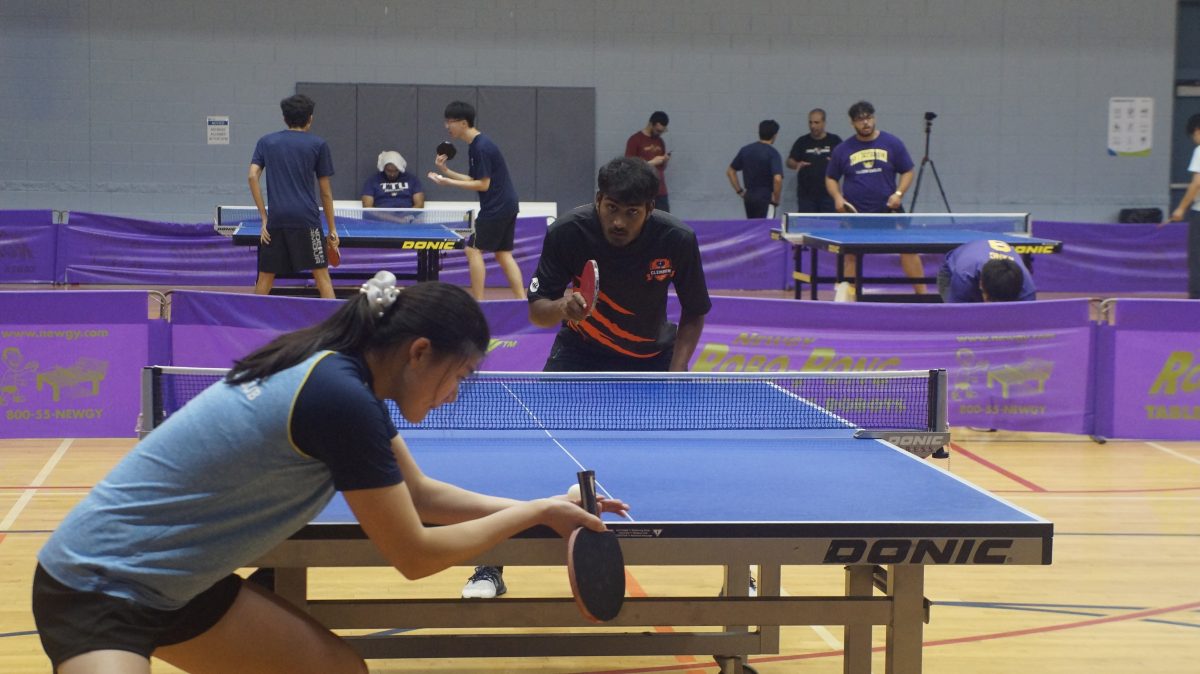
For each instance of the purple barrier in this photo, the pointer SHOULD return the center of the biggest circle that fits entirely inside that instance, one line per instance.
(96, 248)
(1148, 370)
(70, 362)
(1015, 366)
(1109, 258)
(737, 255)
(28, 240)
(213, 329)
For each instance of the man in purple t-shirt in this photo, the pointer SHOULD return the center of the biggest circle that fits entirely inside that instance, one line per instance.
(868, 164)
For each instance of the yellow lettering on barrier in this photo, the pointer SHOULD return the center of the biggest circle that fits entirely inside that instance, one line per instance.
(826, 360)
(716, 358)
(1184, 412)
(1177, 374)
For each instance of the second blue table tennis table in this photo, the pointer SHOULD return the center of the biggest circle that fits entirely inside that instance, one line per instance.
(373, 229)
(869, 234)
(728, 470)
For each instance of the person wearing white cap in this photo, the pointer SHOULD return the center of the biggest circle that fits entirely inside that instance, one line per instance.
(393, 187)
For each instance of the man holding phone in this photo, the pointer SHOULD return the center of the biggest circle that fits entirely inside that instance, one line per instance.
(648, 144)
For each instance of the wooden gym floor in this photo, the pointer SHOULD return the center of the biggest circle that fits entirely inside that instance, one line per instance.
(1120, 597)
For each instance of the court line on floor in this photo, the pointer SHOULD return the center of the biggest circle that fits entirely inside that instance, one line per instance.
(1135, 615)
(23, 500)
(1031, 486)
(1174, 453)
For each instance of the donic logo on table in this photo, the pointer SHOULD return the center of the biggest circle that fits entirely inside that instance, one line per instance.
(918, 551)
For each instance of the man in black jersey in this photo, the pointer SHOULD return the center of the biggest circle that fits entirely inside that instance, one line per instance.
(639, 252)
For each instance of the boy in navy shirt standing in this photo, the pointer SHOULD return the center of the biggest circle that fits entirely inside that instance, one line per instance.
(297, 162)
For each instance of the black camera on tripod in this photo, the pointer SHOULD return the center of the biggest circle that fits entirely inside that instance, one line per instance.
(929, 117)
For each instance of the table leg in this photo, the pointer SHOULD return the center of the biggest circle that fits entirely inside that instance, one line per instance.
(857, 638)
(812, 270)
(906, 587)
(858, 278)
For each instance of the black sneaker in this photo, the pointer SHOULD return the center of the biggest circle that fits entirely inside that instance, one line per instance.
(486, 583)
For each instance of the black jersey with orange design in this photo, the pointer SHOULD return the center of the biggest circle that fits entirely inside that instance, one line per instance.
(630, 316)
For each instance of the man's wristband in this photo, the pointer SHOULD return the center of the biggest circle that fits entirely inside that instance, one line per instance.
(898, 193)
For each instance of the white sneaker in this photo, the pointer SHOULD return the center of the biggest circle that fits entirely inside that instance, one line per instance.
(486, 583)
(843, 292)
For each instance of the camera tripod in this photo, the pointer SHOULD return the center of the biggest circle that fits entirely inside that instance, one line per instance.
(929, 117)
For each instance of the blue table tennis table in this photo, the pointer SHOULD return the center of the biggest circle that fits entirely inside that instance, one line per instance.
(427, 240)
(715, 475)
(891, 240)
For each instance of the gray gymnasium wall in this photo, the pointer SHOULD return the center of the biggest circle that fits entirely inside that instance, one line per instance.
(103, 102)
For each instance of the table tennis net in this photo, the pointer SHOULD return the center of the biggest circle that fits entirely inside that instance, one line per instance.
(637, 402)
(1000, 223)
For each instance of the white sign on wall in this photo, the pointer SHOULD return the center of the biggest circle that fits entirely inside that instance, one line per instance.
(218, 129)
(1130, 126)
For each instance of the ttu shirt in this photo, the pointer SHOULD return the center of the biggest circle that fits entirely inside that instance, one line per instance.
(396, 193)
(293, 161)
(630, 315)
(759, 164)
(500, 200)
(965, 263)
(868, 170)
(223, 480)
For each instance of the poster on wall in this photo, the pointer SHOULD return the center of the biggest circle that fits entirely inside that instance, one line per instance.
(1130, 126)
(218, 129)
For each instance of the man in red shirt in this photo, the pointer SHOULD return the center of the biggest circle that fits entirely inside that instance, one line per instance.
(648, 144)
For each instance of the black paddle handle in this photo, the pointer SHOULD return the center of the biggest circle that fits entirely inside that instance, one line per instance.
(587, 490)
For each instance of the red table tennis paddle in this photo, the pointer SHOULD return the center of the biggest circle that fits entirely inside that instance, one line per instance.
(595, 564)
(332, 254)
(589, 285)
(447, 148)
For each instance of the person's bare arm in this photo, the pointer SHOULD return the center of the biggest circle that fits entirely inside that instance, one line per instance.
(686, 340)
(896, 199)
(733, 180)
(1189, 197)
(326, 191)
(256, 194)
(835, 191)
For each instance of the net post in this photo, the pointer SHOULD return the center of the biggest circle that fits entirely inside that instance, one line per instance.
(150, 415)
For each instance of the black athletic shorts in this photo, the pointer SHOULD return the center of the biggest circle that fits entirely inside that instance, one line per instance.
(72, 623)
(292, 250)
(493, 234)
